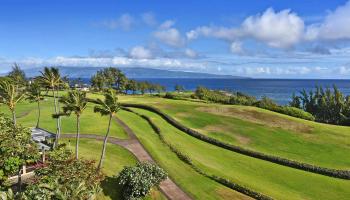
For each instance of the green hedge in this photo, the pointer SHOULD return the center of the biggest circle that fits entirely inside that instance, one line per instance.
(343, 174)
(187, 160)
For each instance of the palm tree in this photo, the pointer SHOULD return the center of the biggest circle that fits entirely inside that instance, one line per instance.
(34, 95)
(10, 95)
(76, 102)
(51, 79)
(109, 106)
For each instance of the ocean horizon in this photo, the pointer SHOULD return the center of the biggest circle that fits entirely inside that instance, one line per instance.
(280, 90)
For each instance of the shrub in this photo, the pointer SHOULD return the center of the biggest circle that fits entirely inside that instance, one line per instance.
(64, 177)
(137, 181)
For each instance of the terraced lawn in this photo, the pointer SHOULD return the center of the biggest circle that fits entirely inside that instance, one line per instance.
(260, 130)
(116, 159)
(271, 179)
(196, 185)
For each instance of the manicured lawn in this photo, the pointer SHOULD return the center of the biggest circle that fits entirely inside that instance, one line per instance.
(116, 159)
(91, 123)
(271, 179)
(261, 130)
(198, 186)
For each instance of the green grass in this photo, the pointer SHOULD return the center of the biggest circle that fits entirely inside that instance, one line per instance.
(116, 159)
(271, 179)
(196, 185)
(261, 130)
(90, 123)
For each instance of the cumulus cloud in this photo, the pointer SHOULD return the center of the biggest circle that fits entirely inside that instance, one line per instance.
(149, 19)
(334, 27)
(124, 22)
(277, 29)
(140, 52)
(169, 35)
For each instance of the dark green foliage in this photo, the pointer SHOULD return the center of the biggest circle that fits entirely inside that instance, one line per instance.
(16, 149)
(137, 181)
(269, 104)
(179, 88)
(64, 177)
(328, 106)
(344, 174)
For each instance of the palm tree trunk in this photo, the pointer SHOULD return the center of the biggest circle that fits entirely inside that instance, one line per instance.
(14, 116)
(57, 121)
(77, 138)
(105, 144)
(59, 118)
(39, 114)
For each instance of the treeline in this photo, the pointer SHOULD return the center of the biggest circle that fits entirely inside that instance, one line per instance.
(238, 98)
(326, 105)
(111, 77)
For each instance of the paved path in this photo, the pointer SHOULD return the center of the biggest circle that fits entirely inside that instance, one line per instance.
(168, 187)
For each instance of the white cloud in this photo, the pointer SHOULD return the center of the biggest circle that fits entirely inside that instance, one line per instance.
(236, 47)
(167, 24)
(191, 53)
(169, 35)
(277, 29)
(140, 52)
(334, 27)
(124, 22)
(149, 19)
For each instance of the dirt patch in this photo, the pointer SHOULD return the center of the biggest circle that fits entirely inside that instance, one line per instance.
(216, 128)
(225, 193)
(242, 139)
(254, 116)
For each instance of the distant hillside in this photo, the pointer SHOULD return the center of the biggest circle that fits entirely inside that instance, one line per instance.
(131, 72)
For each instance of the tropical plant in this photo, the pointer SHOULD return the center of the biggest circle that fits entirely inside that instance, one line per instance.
(17, 149)
(64, 177)
(179, 88)
(51, 79)
(75, 102)
(17, 75)
(137, 181)
(107, 107)
(10, 95)
(327, 105)
(34, 95)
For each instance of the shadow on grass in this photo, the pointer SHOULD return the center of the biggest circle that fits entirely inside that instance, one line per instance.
(111, 188)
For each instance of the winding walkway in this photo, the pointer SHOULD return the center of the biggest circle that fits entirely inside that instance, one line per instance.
(168, 187)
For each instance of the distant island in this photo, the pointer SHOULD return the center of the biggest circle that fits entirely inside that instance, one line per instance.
(132, 72)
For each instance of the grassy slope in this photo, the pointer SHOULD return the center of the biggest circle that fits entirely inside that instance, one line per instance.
(274, 180)
(193, 183)
(261, 130)
(91, 123)
(116, 159)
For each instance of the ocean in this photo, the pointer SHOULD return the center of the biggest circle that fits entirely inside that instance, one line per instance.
(280, 90)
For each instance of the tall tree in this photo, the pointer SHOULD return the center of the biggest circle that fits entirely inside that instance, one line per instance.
(51, 79)
(17, 75)
(75, 102)
(10, 95)
(107, 107)
(34, 95)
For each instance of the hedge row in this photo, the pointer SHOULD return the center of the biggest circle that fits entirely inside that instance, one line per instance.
(343, 174)
(187, 160)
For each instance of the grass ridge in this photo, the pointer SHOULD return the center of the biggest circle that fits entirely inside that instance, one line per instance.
(336, 173)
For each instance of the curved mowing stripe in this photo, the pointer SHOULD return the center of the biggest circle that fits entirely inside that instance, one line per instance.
(188, 161)
(343, 174)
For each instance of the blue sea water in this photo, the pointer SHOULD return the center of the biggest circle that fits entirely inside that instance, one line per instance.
(279, 90)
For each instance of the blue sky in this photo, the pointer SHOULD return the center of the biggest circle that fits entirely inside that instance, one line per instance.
(264, 39)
